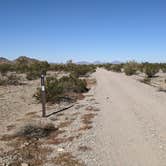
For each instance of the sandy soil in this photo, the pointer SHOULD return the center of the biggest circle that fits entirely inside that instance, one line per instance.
(18, 108)
(130, 129)
(131, 126)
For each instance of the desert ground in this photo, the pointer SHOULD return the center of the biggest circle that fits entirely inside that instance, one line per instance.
(132, 130)
(120, 122)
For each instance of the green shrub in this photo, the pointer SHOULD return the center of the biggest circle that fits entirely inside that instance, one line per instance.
(116, 67)
(163, 68)
(112, 67)
(62, 89)
(130, 68)
(150, 70)
(36, 69)
(4, 68)
(21, 66)
(75, 69)
(32, 75)
(106, 66)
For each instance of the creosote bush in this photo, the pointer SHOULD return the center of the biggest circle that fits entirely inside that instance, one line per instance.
(4, 68)
(77, 70)
(116, 67)
(130, 68)
(150, 70)
(36, 69)
(62, 89)
(113, 67)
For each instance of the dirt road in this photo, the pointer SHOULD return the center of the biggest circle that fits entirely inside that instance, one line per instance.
(132, 122)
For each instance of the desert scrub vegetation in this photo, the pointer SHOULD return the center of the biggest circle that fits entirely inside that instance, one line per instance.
(36, 69)
(116, 67)
(113, 67)
(32, 69)
(67, 159)
(36, 131)
(130, 68)
(75, 69)
(11, 79)
(5, 68)
(63, 89)
(150, 70)
(163, 68)
(26, 145)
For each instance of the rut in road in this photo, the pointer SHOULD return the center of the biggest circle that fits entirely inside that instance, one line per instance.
(132, 122)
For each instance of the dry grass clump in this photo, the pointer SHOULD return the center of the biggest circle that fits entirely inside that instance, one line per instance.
(65, 124)
(31, 132)
(87, 118)
(85, 127)
(35, 131)
(27, 145)
(67, 159)
(87, 121)
(57, 141)
(30, 152)
(10, 80)
(54, 139)
(84, 148)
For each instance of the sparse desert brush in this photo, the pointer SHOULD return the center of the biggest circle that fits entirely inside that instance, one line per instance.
(150, 70)
(146, 80)
(116, 67)
(33, 75)
(11, 79)
(83, 70)
(130, 68)
(106, 66)
(35, 131)
(163, 68)
(75, 69)
(112, 67)
(67, 159)
(4, 68)
(62, 89)
(36, 69)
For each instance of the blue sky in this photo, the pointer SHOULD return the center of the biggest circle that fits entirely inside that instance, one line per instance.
(83, 30)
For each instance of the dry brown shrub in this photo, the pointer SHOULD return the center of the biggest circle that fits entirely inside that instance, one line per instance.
(84, 148)
(67, 159)
(85, 127)
(65, 124)
(87, 118)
